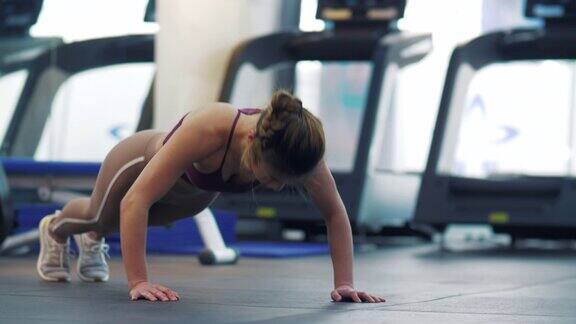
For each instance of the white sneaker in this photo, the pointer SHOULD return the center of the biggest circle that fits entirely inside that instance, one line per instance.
(54, 258)
(92, 256)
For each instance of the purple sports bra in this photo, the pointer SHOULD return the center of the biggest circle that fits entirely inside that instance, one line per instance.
(213, 181)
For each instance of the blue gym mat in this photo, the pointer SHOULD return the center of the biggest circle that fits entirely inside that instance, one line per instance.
(246, 249)
(182, 237)
(280, 249)
(29, 166)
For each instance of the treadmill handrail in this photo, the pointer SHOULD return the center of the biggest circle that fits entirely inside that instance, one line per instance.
(70, 58)
(289, 47)
(519, 44)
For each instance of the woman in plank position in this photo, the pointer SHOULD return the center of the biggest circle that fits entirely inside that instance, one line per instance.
(154, 178)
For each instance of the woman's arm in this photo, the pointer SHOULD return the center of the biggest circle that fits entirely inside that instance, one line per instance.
(199, 136)
(322, 189)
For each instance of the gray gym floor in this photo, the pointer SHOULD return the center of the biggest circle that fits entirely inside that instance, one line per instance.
(420, 282)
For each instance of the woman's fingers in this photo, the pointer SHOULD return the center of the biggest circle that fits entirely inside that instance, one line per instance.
(343, 294)
(335, 296)
(153, 292)
(355, 297)
(172, 295)
(365, 297)
(148, 295)
(134, 295)
(160, 295)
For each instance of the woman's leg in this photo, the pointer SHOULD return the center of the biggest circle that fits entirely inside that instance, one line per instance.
(215, 250)
(163, 213)
(99, 213)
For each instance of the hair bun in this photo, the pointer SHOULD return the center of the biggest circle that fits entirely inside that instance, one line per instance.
(283, 107)
(284, 104)
(288, 137)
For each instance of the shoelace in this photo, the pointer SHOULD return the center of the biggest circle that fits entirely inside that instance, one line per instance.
(62, 250)
(100, 248)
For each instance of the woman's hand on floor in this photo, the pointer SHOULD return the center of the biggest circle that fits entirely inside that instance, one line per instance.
(152, 292)
(348, 293)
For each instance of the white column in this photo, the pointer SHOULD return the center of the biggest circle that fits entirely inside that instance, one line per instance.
(193, 47)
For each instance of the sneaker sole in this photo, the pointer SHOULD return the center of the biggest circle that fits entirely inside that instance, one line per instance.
(77, 239)
(44, 223)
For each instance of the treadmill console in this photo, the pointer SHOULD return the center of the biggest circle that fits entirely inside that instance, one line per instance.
(17, 16)
(360, 11)
(563, 11)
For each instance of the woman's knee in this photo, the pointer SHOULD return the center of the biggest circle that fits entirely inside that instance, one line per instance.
(78, 207)
(107, 224)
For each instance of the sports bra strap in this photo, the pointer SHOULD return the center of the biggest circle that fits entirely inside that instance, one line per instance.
(174, 129)
(230, 139)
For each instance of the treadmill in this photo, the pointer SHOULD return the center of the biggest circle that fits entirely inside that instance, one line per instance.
(388, 195)
(524, 203)
(358, 32)
(17, 50)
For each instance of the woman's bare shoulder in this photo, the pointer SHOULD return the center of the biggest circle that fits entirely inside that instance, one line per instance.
(215, 117)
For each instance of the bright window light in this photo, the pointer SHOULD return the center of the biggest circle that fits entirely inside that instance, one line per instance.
(75, 20)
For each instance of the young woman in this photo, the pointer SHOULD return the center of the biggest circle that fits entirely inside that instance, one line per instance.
(153, 178)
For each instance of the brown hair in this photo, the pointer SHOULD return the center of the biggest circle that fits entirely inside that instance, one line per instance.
(288, 137)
